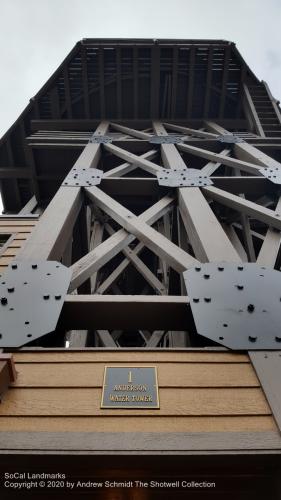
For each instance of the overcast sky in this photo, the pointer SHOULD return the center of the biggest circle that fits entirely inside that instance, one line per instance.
(36, 35)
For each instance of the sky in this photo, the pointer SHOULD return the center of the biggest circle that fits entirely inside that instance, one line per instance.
(36, 35)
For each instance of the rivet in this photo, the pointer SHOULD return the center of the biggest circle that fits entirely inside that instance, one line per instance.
(57, 297)
(34, 266)
(206, 276)
(240, 268)
(240, 287)
(251, 308)
(11, 289)
(207, 299)
(278, 339)
(221, 268)
(199, 269)
(252, 338)
(4, 301)
(196, 300)
(225, 325)
(46, 297)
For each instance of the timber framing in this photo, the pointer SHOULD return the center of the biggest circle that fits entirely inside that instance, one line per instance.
(132, 109)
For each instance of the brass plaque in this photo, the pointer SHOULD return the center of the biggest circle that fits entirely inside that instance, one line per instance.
(130, 387)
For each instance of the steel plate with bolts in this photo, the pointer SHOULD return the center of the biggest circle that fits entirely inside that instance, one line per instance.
(230, 139)
(238, 306)
(103, 139)
(272, 174)
(165, 139)
(31, 298)
(189, 177)
(83, 177)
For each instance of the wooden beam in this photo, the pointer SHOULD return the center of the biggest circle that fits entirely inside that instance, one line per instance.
(29, 206)
(95, 241)
(271, 245)
(230, 162)
(125, 312)
(227, 52)
(118, 82)
(51, 235)
(130, 131)
(105, 338)
(190, 81)
(89, 264)
(177, 258)
(208, 82)
(101, 82)
(125, 168)
(15, 173)
(206, 235)
(155, 82)
(254, 210)
(85, 81)
(250, 111)
(151, 279)
(190, 131)
(67, 92)
(134, 159)
(212, 166)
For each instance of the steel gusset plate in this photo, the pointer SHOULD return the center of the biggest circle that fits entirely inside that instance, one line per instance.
(189, 177)
(31, 298)
(83, 177)
(104, 139)
(272, 174)
(165, 139)
(238, 306)
(229, 139)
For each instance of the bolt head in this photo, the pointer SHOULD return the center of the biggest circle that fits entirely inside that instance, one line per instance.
(4, 301)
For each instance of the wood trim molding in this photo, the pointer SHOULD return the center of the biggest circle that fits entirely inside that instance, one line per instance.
(141, 443)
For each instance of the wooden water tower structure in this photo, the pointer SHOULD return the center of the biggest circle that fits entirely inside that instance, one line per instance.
(141, 227)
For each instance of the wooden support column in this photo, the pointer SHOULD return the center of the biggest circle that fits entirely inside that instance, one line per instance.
(51, 235)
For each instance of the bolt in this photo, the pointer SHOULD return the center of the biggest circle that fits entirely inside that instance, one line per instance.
(14, 266)
(46, 297)
(34, 266)
(220, 268)
(11, 289)
(57, 297)
(251, 308)
(4, 301)
(240, 268)
(207, 299)
(199, 269)
(278, 339)
(195, 300)
(240, 287)
(206, 276)
(252, 338)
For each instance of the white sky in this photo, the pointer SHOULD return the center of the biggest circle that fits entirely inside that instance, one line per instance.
(35, 36)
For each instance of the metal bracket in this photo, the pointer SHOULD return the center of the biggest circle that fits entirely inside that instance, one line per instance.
(236, 305)
(189, 177)
(165, 139)
(83, 177)
(103, 139)
(230, 139)
(272, 174)
(31, 299)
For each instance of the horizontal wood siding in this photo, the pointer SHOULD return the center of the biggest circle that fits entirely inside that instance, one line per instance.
(199, 391)
(19, 230)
